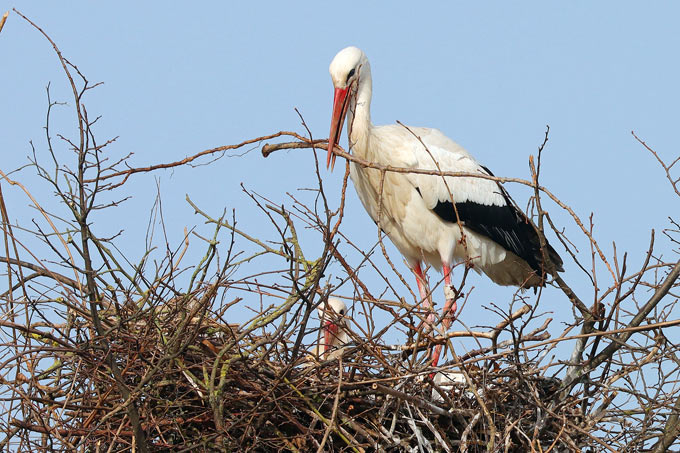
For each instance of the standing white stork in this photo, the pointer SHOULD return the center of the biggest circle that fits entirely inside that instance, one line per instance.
(333, 317)
(436, 219)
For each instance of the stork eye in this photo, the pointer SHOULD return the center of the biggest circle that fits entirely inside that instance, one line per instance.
(342, 312)
(351, 73)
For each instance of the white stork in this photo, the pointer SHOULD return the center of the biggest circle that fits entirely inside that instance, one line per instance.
(436, 219)
(333, 317)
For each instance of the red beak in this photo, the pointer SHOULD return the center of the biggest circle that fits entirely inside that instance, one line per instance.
(330, 333)
(340, 104)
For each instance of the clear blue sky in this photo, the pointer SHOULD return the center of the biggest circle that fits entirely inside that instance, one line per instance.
(180, 78)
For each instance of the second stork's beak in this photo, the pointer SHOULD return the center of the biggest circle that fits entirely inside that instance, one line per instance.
(330, 333)
(340, 104)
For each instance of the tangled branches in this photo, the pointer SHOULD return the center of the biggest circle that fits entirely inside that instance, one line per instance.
(104, 351)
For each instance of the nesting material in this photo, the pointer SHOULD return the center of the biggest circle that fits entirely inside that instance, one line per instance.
(225, 389)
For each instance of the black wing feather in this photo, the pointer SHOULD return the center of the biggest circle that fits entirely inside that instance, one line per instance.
(506, 225)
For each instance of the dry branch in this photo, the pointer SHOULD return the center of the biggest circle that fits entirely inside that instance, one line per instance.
(140, 353)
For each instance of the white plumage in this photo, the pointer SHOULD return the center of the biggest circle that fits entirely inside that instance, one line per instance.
(448, 381)
(408, 215)
(439, 220)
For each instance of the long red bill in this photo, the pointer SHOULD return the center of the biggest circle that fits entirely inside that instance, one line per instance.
(330, 332)
(340, 104)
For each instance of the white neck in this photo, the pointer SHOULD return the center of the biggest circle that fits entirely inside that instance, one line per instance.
(359, 112)
(342, 338)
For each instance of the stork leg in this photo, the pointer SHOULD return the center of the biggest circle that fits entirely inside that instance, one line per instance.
(449, 309)
(450, 293)
(424, 297)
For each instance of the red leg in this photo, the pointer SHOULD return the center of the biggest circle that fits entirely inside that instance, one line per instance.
(451, 306)
(420, 279)
(424, 297)
(449, 310)
(435, 357)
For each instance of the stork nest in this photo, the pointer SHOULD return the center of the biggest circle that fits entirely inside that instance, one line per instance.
(216, 387)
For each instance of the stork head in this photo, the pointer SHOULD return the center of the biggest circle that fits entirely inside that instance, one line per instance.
(332, 316)
(345, 71)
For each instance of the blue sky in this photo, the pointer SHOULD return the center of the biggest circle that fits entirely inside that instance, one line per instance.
(491, 75)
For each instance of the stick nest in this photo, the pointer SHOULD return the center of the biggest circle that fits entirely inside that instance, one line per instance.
(220, 387)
